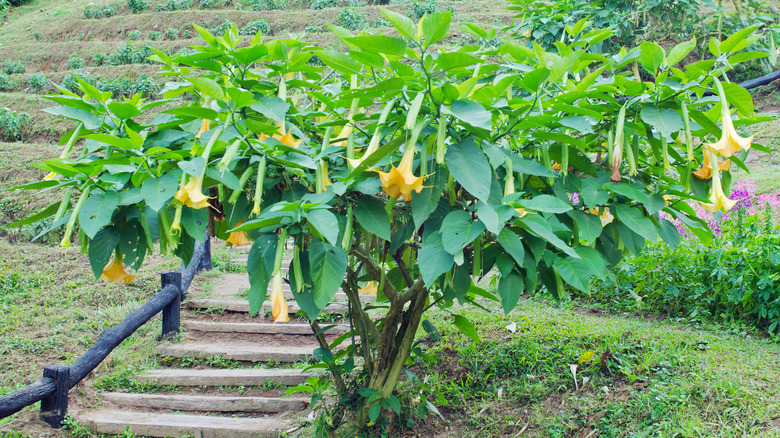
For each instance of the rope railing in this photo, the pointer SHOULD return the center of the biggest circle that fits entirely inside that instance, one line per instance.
(52, 389)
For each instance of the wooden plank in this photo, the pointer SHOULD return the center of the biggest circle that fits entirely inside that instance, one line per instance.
(242, 306)
(224, 377)
(205, 403)
(240, 352)
(259, 327)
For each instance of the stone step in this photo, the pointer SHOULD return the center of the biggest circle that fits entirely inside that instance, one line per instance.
(205, 403)
(223, 377)
(241, 352)
(243, 306)
(164, 425)
(259, 327)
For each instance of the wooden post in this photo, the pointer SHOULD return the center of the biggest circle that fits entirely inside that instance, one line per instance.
(171, 313)
(205, 262)
(55, 407)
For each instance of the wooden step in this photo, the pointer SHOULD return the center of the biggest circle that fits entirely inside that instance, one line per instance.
(288, 328)
(222, 377)
(241, 352)
(164, 425)
(205, 403)
(243, 306)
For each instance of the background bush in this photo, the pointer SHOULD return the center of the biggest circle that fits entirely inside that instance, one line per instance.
(37, 82)
(137, 6)
(7, 83)
(12, 124)
(74, 62)
(322, 4)
(12, 67)
(352, 19)
(256, 26)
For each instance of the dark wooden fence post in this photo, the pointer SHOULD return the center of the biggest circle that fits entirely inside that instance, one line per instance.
(55, 407)
(205, 262)
(171, 313)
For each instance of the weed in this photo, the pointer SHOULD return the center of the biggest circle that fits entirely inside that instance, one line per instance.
(173, 5)
(256, 26)
(71, 84)
(37, 82)
(99, 12)
(137, 6)
(74, 63)
(171, 33)
(13, 125)
(129, 55)
(352, 19)
(134, 35)
(314, 29)
(322, 4)
(265, 5)
(153, 35)
(37, 35)
(7, 83)
(12, 67)
(99, 59)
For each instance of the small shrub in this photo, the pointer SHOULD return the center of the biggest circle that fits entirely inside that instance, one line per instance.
(357, 3)
(220, 29)
(421, 8)
(37, 82)
(314, 29)
(99, 12)
(256, 26)
(352, 19)
(71, 84)
(134, 35)
(37, 36)
(128, 55)
(11, 67)
(74, 63)
(145, 85)
(13, 124)
(137, 6)
(7, 83)
(173, 5)
(186, 33)
(99, 58)
(153, 35)
(208, 4)
(322, 4)
(266, 5)
(171, 33)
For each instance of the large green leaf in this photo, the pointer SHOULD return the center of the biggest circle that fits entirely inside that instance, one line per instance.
(425, 202)
(465, 326)
(589, 225)
(469, 112)
(123, 110)
(260, 266)
(271, 107)
(97, 212)
(194, 221)
(740, 98)
(157, 192)
(132, 244)
(468, 164)
(651, 55)
(433, 259)
(637, 222)
(537, 225)
(510, 287)
(209, 87)
(435, 26)
(512, 245)
(90, 121)
(665, 120)
(326, 223)
(401, 23)
(371, 215)
(101, 248)
(546, 203)
(379, 44)
(340, 62)
(448, 61)
(457, 231)
(328, 265)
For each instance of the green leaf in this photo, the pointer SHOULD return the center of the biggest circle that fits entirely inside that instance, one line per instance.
(433, 259)
(97, 212)
(680, 51)
(589, 225)
(735, 40)
(326, 223)
(194, 167)
(371, 215)
(260, 266)
(540, 227)
(194, 221)
(669, 233)
(534, 79)
(651, 56)
(328, 265)
(425, 202)
(512, 245)
(465, 326)
(132, 244)
(271, 107)
(510, 287)
(469, 112)
(448, 61)
(527, 166)
(457, 231)
(225, 177)
(469, 166)
(436, 26)
(90, 120)
(379, 44)
(665, 120)
(43, 214)
(192, 112)
(636, 222)
(569, 273)
(394, 403)
(209, 87)
(101, 247)
(373, 412)
(341, 62)
(401, 23)
(740, 98)
(546, 203)
(157, 192)
(431, 329)
(123, 110)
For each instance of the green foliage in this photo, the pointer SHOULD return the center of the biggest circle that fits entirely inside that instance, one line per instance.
(7, 83)
(252, 28)
(174, 5)
(135, 35)
(420, 8)
(352, 19)
(266, 5)
(71, 84)
(153, 35)
(734, 278)
(322, 4)
(37, 82)
(127, 87)
(171, 33)
(99, 59)
(13, 125)
(100, 12)
(13, 67)
(127, 54)
(208, 4)
(75, 63)
(138, 6)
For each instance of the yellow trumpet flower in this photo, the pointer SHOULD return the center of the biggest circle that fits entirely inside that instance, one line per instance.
(706, 166)
(279, 309)
(370, 288)
(50, 176)
(204, 126)
(605, 216)
(238, 238)
(192, 195)
(730, 142)
(509, 188)
(345, 131)
(400, 180)
(718, 199)
(115, 272)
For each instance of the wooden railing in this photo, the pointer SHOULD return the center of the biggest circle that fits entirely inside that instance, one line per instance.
(52, 389)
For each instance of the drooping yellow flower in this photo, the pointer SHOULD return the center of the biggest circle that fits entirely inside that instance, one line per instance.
(400, 180)
(237, 238)
(345, 131)
(204, 126)
(730, 142)
(370, 288)
(279, 309)
(509, 188)
(718, 199)
(192, 195)
(604, 216)
(50, 176)
(285, 138)
(115, 272)
(706, 166)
